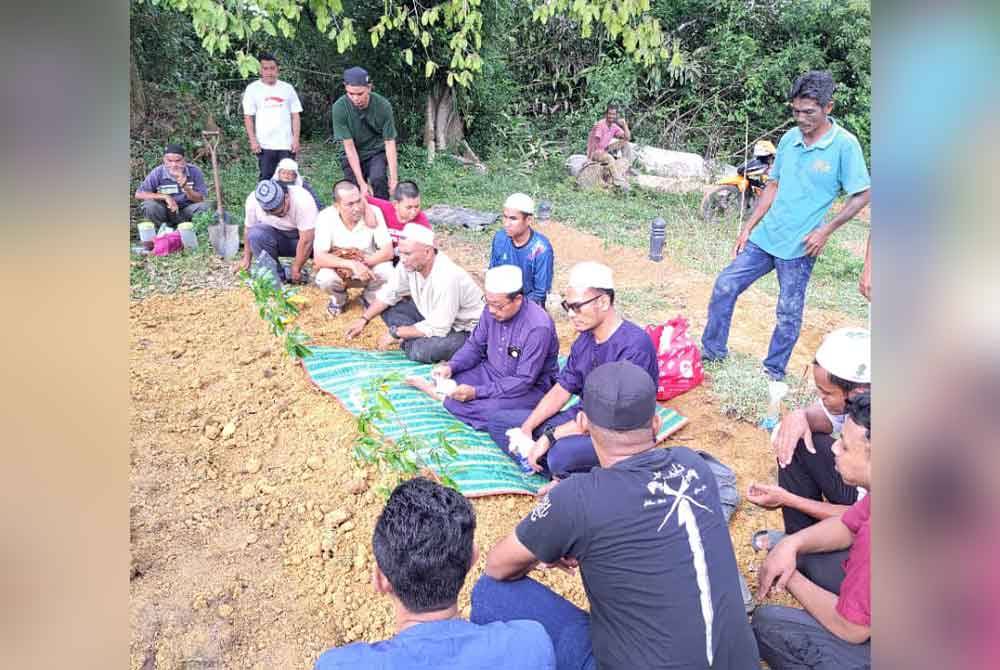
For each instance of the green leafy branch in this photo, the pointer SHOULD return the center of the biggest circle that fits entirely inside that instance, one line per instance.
(407, 455)
(278, 306)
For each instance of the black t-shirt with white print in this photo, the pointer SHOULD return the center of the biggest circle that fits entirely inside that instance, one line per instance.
(656, 560)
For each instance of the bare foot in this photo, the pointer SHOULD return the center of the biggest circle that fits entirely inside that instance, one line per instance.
(424, 385)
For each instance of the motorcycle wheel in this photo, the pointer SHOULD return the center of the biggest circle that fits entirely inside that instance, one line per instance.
(722, 203)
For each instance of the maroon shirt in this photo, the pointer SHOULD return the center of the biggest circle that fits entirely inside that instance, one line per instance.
(855, 601)
(392, 221)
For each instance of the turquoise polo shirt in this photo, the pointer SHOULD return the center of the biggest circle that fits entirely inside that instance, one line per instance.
(809, 179)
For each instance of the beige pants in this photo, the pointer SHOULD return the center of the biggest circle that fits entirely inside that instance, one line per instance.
(330, 281)
(616, 160)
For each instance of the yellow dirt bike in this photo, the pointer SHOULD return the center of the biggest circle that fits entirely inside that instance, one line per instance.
(724, 199)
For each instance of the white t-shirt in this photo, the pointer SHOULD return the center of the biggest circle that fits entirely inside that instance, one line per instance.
(331, 232)
(301, 214)
(272, 108)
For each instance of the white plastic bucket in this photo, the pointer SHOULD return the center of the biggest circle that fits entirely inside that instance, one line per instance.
(188, 236)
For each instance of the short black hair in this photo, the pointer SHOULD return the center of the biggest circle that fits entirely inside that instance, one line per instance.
(267, 55)
(405, 190)
(859, 408)
(843, 384)
(610, 292)
(816, 85)
(423, 544)
(342, 182)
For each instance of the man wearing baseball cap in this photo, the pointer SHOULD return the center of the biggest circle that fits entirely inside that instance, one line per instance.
(174, 191)
(521, 245)
(364, 122)
(809, 487)
(561, 447)
(647, 532)
(429, 303)
(509, 362)
(280, 221)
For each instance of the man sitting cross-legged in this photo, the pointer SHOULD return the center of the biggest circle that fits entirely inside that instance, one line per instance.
(423, 546)
(510, 360)
(647, 532)
(429, 303)
(349, 253)
(809, 487)
(827, 568)
(561, 447)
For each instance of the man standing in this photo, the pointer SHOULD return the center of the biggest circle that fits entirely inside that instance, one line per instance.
(814, 163)
(280, 221)
(608, 144)
(364, 122)
(424, 547)
(519, 244)
(271, 111)
(347, 252)
(647, 532)
(809, 487)
(510, 361)
(174, 191)
(429, 303)
(830, 581)
(404, 209)
(561, 446)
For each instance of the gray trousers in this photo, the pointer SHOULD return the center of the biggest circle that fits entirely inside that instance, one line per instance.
(423, 349)
(157, 212)
(791, 638)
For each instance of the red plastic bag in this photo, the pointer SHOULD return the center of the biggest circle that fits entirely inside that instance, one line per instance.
(167, 243)
(679, 358)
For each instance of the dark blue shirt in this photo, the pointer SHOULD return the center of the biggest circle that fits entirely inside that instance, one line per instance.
(454, 644)
(160, 181)
(628, 343)
(536, 260)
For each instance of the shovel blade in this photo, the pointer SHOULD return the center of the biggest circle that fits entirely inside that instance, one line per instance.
(230, 241)
(217, 238)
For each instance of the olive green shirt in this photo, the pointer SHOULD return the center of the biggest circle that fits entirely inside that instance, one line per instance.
(369, 127)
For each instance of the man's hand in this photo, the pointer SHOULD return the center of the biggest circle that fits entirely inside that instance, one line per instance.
(741, 242)
(464, 393)
(355, 328)
(296, 275)
(542, 492)
(392, 185)
(387, 341)
(793, 427)
(541, 447)
(170, 203)
(442, 370)
(242, 264)
(865, 282)
(778, 568)
(295, 146)
(567, 564)
(254, 147)
(362, 271)
(816, 240)
(767, 496)
(366, 190)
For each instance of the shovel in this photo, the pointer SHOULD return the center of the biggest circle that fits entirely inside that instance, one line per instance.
(223, 234)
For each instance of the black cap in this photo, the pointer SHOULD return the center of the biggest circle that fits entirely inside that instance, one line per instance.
(173, 149)
(619, 396)
(356, 76)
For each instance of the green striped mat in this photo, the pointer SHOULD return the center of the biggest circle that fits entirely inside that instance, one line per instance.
(481, 467)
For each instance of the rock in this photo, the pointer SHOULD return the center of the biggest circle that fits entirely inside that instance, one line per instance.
(347, 527)
(315, 549)
(317, 515)
(674, 164)
(314, 462)
(225, 611)
(252, 465)
(251, 539)
(320, 589)
(575, 163)
(228, 430)
(668, 184)
(212, 431)
(337, 517)
(357, 486)
(268, 373)
(248, 491)
(359, 561)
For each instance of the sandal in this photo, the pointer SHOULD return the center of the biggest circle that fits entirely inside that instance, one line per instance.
(773, 537)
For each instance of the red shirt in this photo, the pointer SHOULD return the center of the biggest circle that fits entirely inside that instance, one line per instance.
(392, 221)
(855, 601)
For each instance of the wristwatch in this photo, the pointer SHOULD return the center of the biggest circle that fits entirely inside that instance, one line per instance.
(392, 332)
(550, 435)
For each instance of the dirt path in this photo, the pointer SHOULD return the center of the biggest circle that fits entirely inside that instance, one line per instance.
(242, 477)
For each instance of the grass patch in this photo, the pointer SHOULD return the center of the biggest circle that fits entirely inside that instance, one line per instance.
(739, 384)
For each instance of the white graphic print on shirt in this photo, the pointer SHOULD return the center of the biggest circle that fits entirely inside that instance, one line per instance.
(682, 502)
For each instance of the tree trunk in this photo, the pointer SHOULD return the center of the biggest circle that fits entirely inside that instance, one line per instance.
(429, 128)
(137, 96)
(443, 128)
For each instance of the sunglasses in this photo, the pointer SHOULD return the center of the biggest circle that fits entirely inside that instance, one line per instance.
(575, 306)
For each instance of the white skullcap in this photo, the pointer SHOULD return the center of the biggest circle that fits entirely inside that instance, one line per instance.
(520, 202)
(590, 274)
(504, 279)
(847, 353)
(288, 164)
(418, 233)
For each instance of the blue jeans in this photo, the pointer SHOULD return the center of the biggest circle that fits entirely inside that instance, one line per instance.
(750, 265)
(566, 624)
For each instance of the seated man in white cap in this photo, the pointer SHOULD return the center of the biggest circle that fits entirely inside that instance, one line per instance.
(287, 172)
(561, 447)
(521, 245)
(347, 252)
(429, 303)
(809, 487)
(510, 361)
(280, 221)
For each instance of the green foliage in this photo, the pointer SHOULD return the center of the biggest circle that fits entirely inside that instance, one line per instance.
(739, 384)
(407, 455)
(277, 306)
